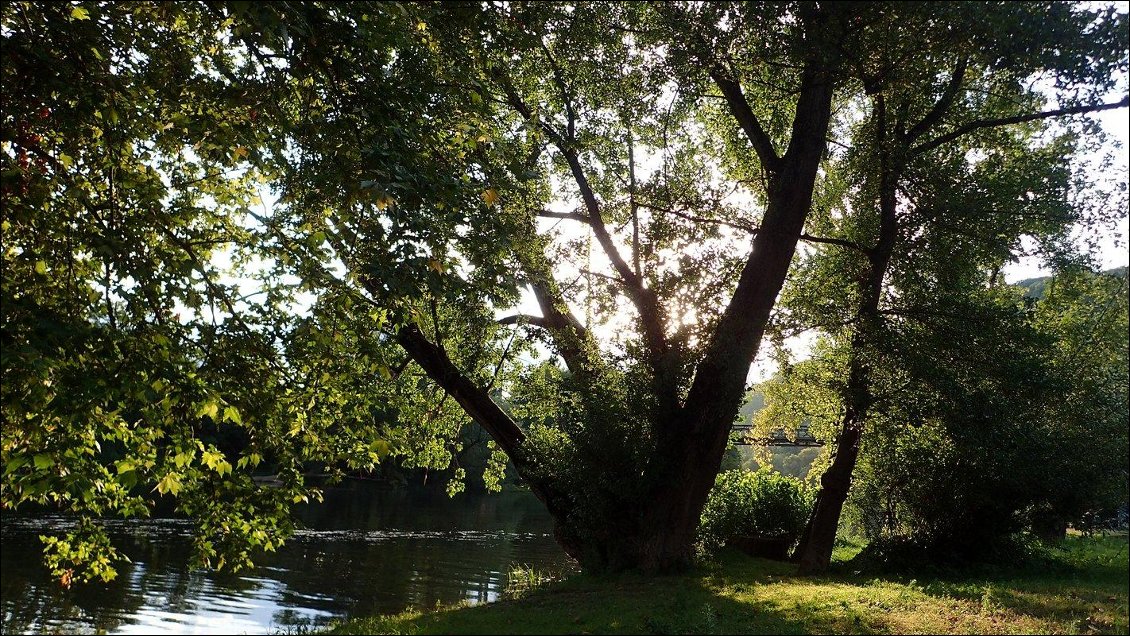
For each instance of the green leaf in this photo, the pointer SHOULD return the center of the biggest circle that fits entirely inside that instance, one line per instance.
(251, 459)
(43, 461)
(14, 464)
(40, 267)
(380, 447)
(231, 414)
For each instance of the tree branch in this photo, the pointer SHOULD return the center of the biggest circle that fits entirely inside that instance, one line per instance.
(1016, 119)
(645, 300)
(571, 338)
(525, 319)
(834, 241)
(433, 359)
(698, 219)
(943, 104)
(571, 216)
(633, 204)
(739, 108)
(478, 404)
(559, 79)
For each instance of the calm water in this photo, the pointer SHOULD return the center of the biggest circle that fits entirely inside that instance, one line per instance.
(367, 550)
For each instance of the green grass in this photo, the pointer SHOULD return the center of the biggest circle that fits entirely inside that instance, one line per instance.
(1080, 588)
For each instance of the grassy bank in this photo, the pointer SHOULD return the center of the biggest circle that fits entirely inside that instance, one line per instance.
(1079, 588)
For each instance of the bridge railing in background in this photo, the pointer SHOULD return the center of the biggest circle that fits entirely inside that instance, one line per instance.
(777, 437)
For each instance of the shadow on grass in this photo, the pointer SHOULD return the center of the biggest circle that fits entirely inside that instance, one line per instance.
(1081, 588)
(1081, 582)
(702, 602)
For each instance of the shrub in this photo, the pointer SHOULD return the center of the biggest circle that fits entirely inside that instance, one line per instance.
(759, 504)
(523, 579)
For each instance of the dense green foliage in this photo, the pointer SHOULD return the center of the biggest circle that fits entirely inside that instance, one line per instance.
(138, 365)
(272, 239)
(754, 504)
(980, 430)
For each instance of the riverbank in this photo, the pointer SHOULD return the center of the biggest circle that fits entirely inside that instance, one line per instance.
(1080, 588)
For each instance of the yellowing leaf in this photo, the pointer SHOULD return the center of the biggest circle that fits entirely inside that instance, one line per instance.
(490, 196)
(78, 13)
(210, 409)
(239, 152)
(169, 484)
(435, 265)
(210, 459)
(40, 267)
(184, 458)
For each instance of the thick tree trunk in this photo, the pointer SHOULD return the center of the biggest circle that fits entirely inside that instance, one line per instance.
(655, 533)
(659, 536)
(657, 549)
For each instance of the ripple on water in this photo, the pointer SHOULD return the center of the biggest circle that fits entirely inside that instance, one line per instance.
(381, 566)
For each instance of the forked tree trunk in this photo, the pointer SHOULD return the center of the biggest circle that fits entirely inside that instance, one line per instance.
(656, 534)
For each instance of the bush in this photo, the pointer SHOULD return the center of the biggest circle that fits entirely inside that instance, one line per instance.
(757, 504)
(523, 579)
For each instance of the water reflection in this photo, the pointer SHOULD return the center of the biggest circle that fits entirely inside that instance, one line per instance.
(366, 550)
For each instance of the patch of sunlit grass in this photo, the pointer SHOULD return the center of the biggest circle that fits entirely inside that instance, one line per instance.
(1080, 588)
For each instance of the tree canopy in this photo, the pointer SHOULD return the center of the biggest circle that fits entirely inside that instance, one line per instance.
(289, 237)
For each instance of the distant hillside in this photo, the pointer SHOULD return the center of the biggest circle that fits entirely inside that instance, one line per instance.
(755, 401)
(1035, 286)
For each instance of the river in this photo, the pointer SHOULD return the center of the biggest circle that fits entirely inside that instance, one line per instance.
(367, 549)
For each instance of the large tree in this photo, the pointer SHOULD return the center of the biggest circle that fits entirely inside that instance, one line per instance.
(935, 198)
(642, 173)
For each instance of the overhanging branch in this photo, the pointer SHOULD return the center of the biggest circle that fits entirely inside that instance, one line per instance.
(745, 227)
(1016, 119)
(835, 241)
(433, 359)
(571, 216)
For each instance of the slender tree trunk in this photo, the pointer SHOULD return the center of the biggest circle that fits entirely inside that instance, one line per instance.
(814, 552)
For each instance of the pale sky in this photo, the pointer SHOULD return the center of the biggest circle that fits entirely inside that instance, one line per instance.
(1112, 249)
